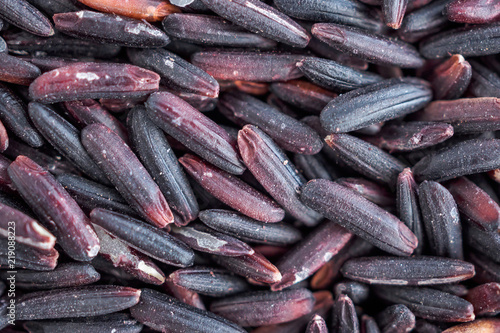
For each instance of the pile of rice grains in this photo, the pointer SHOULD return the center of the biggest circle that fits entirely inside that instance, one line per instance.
(229, 166)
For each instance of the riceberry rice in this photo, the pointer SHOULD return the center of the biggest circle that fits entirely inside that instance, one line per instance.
(260, 166)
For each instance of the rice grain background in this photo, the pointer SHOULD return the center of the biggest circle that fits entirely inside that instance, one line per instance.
(274, 166)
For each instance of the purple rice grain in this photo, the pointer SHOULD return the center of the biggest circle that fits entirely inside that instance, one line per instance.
(209, 281)
(28, 257)
(307, 256)
(335, 76)
(394, 11)
(255, 267)
(265, 307)
(88, 111)
(441, 220)
(411, 136)
(290, 134)
(145, 10)
(369, 325)
(4, 138)
(344, 317)
(76, 302)
(153, 149)
(408, 206)
(14, 115)
(359, 216)
(56, 209)
(164, 313)
(93, 80)
(371, 47)
(467, 115)
(145, 238)
(494, 175)
(65, 275)
(213, 31)
(486, 269)
(16, 70)
(481, 180)
(473, 11)
(127, 174)
(65, 138)
(485, 299)
(232, 191)
(488, 325)
(5, 182)
(119, 322)
(248, 65)
(484, 81)
(249, 230)
(369, 190)
(419, 270)
(478, 208)
(369, 160)
(90, 195)
(486, 242)
(345, 12)
(451, 78)
(274, 171)
(303, 95)
(330, 272)
(195, 130)
(262, 19)
(357, 292)
(423, 22)
(428, 303)
(203, 239)
(23, 43)
(376, 103)
(124, 257)
(110, 29)
(323, 303)
(396, 319)
(25, 16)
(463, 158)
(186, 296)
(317, 325)
(423, 326)
(52, 7)
(176, 73)
(475, 41)
(29, 231)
